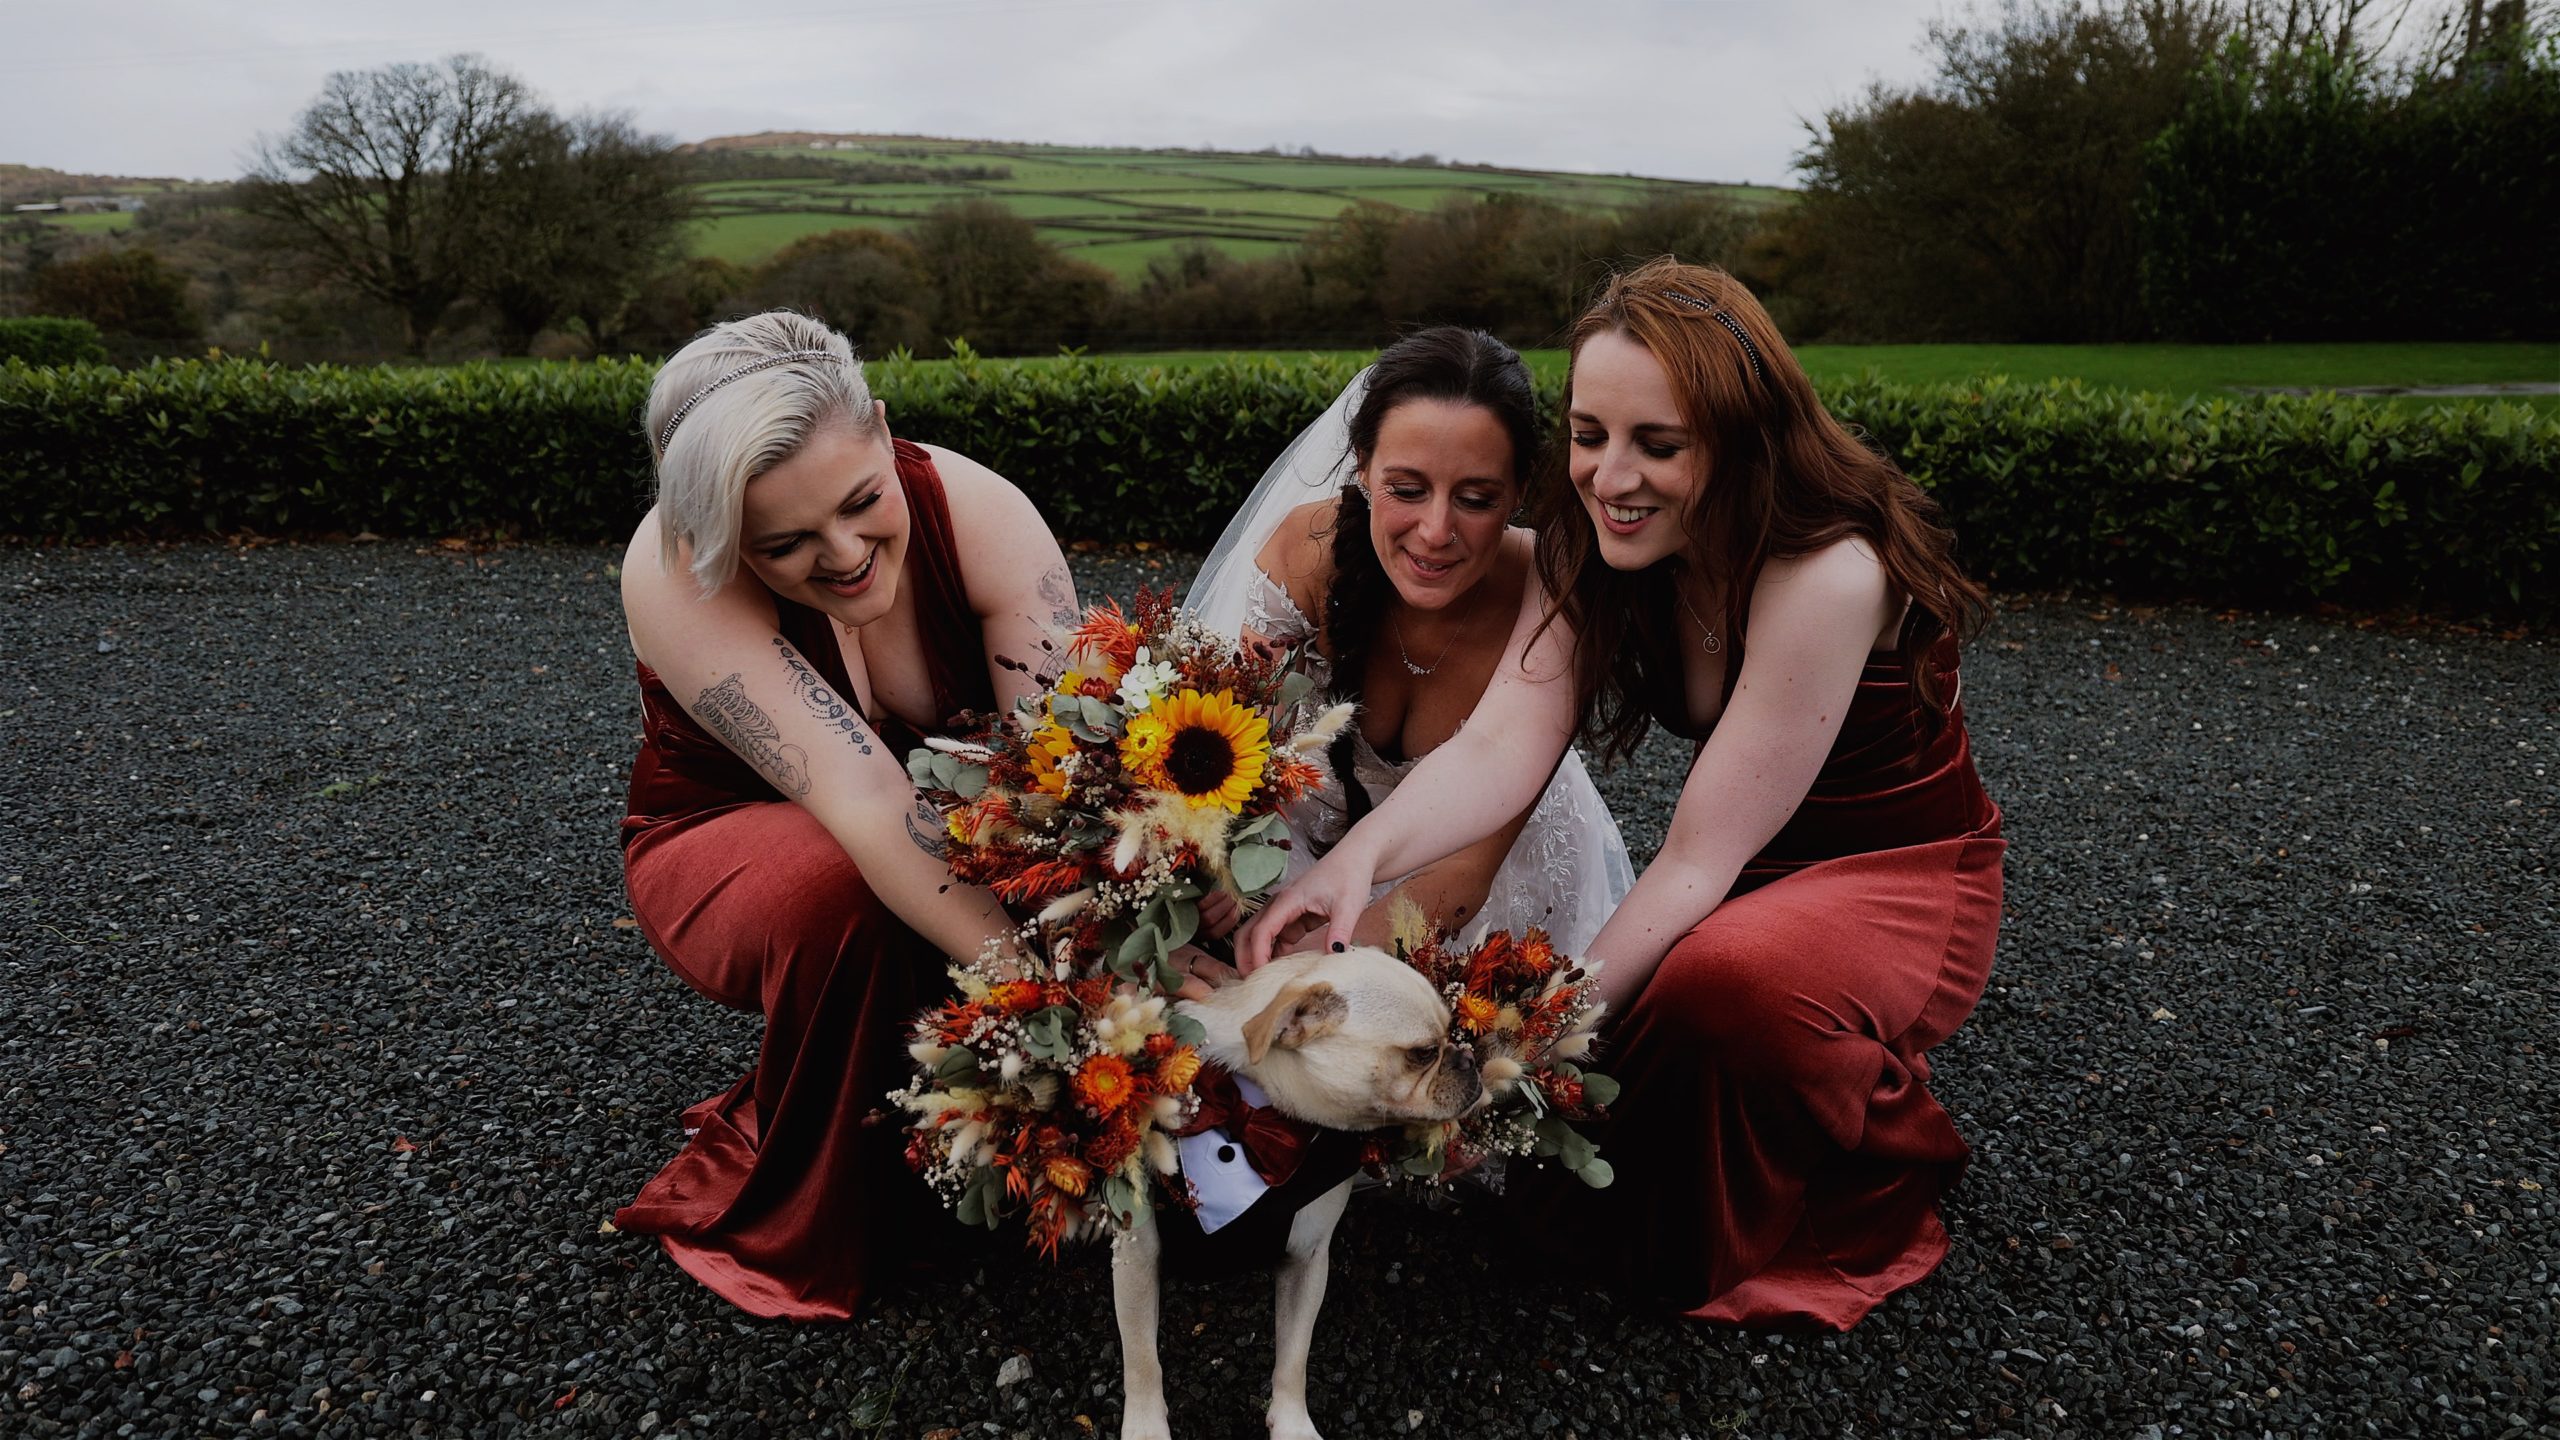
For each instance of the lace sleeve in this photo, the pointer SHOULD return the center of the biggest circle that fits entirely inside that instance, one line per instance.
(1271, 614)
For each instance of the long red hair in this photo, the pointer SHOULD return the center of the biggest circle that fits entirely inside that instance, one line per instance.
(1782, 478)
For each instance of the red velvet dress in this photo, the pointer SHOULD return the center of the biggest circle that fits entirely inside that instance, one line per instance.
(784, 1200)
(1779, 1157)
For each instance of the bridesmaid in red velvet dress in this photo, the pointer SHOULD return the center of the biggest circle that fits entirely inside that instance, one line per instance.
(808, 597)
(1729, 562)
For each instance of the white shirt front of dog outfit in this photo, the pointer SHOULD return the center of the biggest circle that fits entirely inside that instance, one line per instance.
(1225, 1183)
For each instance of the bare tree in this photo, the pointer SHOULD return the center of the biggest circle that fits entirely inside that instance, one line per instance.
(385, 179)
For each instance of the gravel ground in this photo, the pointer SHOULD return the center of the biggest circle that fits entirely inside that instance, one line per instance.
(323, 1053)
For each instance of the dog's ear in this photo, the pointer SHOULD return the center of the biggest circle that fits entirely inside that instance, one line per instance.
(1306, 1011)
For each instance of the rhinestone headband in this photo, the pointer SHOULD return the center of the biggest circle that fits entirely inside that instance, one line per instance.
(768, 362)
(1725, 318)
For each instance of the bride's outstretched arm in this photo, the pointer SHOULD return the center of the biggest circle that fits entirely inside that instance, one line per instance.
(1479, 781)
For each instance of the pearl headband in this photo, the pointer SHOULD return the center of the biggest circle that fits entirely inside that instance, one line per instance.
(768, 362)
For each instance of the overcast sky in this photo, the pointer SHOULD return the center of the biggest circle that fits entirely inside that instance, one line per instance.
(1693, 89)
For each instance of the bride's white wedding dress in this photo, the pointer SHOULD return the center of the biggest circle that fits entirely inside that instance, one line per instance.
(1567, 870)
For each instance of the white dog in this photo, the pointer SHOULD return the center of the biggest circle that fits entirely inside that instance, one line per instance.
(1348, 1041)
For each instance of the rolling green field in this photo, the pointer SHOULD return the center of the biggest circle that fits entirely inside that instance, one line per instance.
(97, 224)
(1121, 209)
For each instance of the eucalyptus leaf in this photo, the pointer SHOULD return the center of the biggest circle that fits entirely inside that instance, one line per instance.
(959, 1060)
(1100, 715)
(1138, 949)
(1121, 1199)
(1184, 1029)
(972, 782)
(982, 1203)
(1599, 1089)
(1048, 1034)
(1596, 1173)
(1296, 686)
(1256, 867)
(1575, 1149)
(920, 766)
(1423, 1166)
(1184, 919)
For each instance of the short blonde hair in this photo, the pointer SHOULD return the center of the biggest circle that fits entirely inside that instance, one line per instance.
(737, 400)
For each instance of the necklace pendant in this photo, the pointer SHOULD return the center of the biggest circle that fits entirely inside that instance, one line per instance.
(1413, 669)
(1712, 643)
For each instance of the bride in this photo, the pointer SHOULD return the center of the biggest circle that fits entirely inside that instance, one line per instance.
(1382, 535)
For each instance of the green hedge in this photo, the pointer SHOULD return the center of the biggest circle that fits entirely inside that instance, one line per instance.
(2268, 498)
(51, 340)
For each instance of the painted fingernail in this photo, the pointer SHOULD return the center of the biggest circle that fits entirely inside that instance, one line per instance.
(1337, 947)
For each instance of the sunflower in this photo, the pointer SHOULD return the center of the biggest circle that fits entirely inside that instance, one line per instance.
(1105, 1084)
(1051, 744)
(1206, 747)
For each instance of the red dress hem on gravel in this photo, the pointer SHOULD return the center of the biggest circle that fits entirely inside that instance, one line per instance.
(1778, 1155)
(788, 1196)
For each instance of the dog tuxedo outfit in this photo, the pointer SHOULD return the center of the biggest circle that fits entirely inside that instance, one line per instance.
(1251, 1170)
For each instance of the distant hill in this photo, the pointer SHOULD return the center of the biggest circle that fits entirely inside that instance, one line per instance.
(36, 185)
(1116, 207)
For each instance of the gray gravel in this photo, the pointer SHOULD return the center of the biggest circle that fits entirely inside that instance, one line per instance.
(322, 1058)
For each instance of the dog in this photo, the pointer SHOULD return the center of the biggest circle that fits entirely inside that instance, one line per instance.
(1347, 1041)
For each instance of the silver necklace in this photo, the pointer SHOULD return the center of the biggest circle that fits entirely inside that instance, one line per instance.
(1397, 627)
(1711, 642)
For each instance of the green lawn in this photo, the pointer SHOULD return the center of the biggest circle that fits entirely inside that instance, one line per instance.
(2194, 368)
(97, 224)
(2173, 369)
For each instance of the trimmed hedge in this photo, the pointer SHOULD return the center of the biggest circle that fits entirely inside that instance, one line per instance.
(51, 340)
(2268, 498)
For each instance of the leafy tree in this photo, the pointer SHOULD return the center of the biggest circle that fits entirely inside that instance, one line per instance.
(1002, 288)
(125, 292)
(1996, 201)
(2313, 194)
(870, 284)
(681, 300)
(387, 180)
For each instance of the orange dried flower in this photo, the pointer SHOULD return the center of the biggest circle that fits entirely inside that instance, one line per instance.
(1476, 1013)
(1015, 997)
(1112, 1148)
(1178, 1071)
(1069, 1174)
(1105, 1084)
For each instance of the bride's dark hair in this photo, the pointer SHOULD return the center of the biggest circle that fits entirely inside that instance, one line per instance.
(1783, 479)
(1445, 362)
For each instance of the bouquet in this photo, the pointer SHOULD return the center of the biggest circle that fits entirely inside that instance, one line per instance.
(1150, 773)
(1153, 771)
(1528, 1015)
(1052, 1097)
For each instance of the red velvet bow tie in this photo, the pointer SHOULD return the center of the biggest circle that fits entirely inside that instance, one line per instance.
(1273, 1143)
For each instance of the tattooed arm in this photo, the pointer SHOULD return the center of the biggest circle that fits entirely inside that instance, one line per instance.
(723, 656)
(1016, 576)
